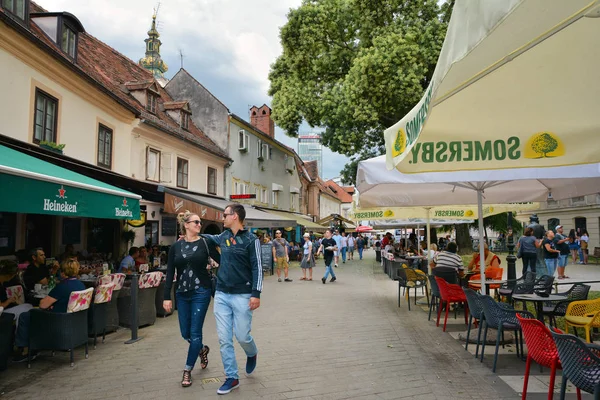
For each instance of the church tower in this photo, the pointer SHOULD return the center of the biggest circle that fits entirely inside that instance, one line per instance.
(152, 61)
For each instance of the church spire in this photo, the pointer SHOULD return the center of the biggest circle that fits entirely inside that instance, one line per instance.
(152, 61)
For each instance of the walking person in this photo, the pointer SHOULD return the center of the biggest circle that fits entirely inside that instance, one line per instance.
(328, 246)
(527, 250)
(360, 245)
(344, 247)
(338, 240)
(584, 243)
(573, 245)
(351, 245)
(281, 256)
(561, 242)
(239, 284)
(550, 252)
(193, 287)
(308, 259)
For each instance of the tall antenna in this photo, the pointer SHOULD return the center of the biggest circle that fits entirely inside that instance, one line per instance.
(181, 56)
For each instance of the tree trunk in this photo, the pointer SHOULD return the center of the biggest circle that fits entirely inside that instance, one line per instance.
(463, 241)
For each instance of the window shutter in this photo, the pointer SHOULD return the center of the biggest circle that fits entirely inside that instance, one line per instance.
(165, 167)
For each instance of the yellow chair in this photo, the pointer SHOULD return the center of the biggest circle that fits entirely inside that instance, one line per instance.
(583, 314)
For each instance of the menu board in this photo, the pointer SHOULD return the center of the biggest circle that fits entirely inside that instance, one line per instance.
(169, 226)
(266, 252)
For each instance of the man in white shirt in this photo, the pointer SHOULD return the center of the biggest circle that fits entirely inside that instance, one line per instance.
(351, 243)
(338, 240)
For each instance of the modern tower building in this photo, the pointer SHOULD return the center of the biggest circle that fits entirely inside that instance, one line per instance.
(311, 149)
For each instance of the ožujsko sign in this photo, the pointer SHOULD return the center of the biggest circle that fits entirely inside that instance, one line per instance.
(449, 212)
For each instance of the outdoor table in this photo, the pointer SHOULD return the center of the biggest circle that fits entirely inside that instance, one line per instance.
(488, 283)
(539, 302)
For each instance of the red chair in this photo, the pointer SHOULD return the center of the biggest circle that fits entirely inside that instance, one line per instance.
(450, 293)
(541, 349)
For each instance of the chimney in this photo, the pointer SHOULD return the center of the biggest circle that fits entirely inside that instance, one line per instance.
(260, 118)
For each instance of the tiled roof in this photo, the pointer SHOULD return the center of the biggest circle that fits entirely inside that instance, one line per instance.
(312, 169)
(174, 105)
(113, 72)
(340, 192)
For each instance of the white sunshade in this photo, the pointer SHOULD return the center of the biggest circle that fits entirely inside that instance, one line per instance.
(379, 187)
(516, 85)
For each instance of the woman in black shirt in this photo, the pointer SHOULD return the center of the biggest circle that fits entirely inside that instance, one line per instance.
(550, 252)
(189, 258)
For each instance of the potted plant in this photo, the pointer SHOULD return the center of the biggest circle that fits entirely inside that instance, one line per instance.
(128, 236)
(57, 148)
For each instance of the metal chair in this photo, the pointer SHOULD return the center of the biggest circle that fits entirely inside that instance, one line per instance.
(543, 284)
(580, 364)
(577, 292)
(502, 319)
(450, 293)
(435, 295)
(475, 312)
(541, 349)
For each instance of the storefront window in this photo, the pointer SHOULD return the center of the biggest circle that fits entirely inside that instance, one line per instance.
(151, 233)
(8, 231)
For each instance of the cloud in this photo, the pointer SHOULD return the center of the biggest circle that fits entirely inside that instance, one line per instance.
(228, 45)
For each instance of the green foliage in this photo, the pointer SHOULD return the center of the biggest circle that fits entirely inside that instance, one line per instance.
(544, 144)
(355, 67)
(52, 145)
(499, 223)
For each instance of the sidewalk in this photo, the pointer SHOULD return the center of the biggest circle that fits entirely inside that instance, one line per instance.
(342, 340)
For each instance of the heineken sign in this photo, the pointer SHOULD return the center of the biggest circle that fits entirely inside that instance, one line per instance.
(34, 196)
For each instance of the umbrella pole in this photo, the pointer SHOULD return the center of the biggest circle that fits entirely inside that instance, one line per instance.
(481, 239)
(428, 243)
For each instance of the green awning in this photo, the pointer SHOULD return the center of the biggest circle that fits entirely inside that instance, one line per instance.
(33, 186)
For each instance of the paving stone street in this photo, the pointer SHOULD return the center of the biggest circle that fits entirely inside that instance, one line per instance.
(342, 340)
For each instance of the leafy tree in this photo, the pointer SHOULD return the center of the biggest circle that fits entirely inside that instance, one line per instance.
(544, 144)
(355, 67)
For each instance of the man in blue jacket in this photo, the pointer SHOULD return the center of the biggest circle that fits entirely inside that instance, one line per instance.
(239, 284)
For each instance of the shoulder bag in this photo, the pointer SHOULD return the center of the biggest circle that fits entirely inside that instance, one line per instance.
(209, 267)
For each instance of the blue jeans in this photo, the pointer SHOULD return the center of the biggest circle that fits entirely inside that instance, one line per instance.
(551, 264)
(191, 310)
(344, 249)
(233, 316)
(360, 250)
(328, 270)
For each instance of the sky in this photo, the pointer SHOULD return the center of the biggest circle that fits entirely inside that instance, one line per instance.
(227, 45)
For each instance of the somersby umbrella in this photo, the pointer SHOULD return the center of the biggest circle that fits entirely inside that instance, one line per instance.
(516, 85)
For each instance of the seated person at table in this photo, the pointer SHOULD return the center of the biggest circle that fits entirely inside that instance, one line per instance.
(69, 253)
(56, 301)
(142, 257)
(128, 263)
(37, 271)
(9, 278)
(449, 258)
(154, 257)
(491, 259)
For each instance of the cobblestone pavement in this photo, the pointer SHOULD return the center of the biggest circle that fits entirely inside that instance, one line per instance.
(342, 340)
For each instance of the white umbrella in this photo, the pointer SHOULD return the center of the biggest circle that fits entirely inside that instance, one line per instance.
(516, 85)
(380, 187)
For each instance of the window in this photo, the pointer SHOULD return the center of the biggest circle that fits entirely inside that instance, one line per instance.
(212, 181)
(257, 193)
(265, 152)
(182, 173)
(185, 120)
(236, 188)
(151, 233)
(152, 164)
(105, 140)
(580, 224)
(292, 201)
(270, 154)
(275, 198)
(69, 41)
(151, 102)
(46, 113)
(259, 149)
(242, 141)
(264, 196)
(16, 7)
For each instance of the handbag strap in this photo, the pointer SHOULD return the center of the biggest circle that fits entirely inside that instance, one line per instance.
(209, 257)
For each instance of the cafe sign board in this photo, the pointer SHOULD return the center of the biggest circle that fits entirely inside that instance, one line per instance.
(25, 195)
(439, 212)
(175, 205)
